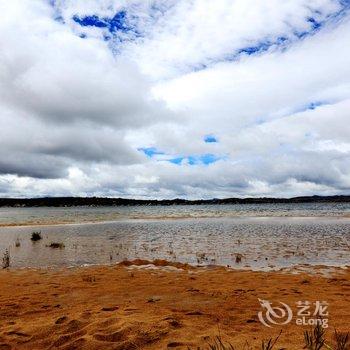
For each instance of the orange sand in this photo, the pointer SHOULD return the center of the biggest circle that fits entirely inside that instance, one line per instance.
(134, 308)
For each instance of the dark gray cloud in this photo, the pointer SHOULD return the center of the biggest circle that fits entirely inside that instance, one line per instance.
(38, 150)
(33, 165)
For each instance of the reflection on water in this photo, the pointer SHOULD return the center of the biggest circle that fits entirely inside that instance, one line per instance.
(241, 242)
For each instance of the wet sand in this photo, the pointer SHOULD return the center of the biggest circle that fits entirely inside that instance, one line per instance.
(164, 307)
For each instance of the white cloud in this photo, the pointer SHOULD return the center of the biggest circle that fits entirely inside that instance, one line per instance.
(64, 99)
(269, 85)
(74, 111)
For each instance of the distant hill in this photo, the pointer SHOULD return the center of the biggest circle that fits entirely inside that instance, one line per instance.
(100, 201)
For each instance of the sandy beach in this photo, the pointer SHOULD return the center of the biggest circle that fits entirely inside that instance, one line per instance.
(158, 307)
(175, 174)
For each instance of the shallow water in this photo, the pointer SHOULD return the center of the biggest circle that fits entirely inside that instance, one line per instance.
(259, 242)
(44, 215)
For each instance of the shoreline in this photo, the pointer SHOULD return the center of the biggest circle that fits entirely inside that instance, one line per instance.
(309, 269)
(169, 305)
(168, 218)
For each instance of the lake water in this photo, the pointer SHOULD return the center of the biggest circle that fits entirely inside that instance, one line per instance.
(241, 236)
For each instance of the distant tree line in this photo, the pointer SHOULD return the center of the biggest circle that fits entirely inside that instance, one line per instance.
(100, 201)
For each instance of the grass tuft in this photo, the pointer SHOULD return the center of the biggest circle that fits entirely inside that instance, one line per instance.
(89, 279)
(36, 236)
(56, 245)
(314, 339)
(269, 344)
(218, 344)
(6, 259)
(342, 340)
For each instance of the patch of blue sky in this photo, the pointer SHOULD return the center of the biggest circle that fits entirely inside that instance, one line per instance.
(150, 152)
(314, 23)
(262, 46)
(310, 106)
(210, 139)
(205, 159)
(177, 160)
(281, 42)
(90, 21)
(334, 17)
(314, 105)
(345, 3)
(119, 23)
(287, 112)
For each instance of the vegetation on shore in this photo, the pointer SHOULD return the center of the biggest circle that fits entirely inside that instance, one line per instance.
(36, 236)
(56, 245)
(102, 201)
(6, 259)
(313, 340)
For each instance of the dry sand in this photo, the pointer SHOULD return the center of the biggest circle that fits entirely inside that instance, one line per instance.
(176, 307)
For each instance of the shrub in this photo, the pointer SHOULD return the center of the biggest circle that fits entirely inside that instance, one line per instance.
(36, 236)
(56, 245)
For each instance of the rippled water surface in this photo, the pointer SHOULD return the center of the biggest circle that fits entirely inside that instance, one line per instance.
(258, 237)
(42, 215)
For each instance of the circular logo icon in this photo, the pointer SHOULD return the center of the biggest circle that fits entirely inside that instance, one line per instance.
(274, 315)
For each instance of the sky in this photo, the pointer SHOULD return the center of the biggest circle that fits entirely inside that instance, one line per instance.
(174, 98)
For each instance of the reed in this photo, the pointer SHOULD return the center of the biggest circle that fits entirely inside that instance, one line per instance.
(6, 259)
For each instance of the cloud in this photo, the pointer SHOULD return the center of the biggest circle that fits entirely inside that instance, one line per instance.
(31, 147)
(65, 99)
(196, 34)
(166, 98)
(62, 78)
(268, 86)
